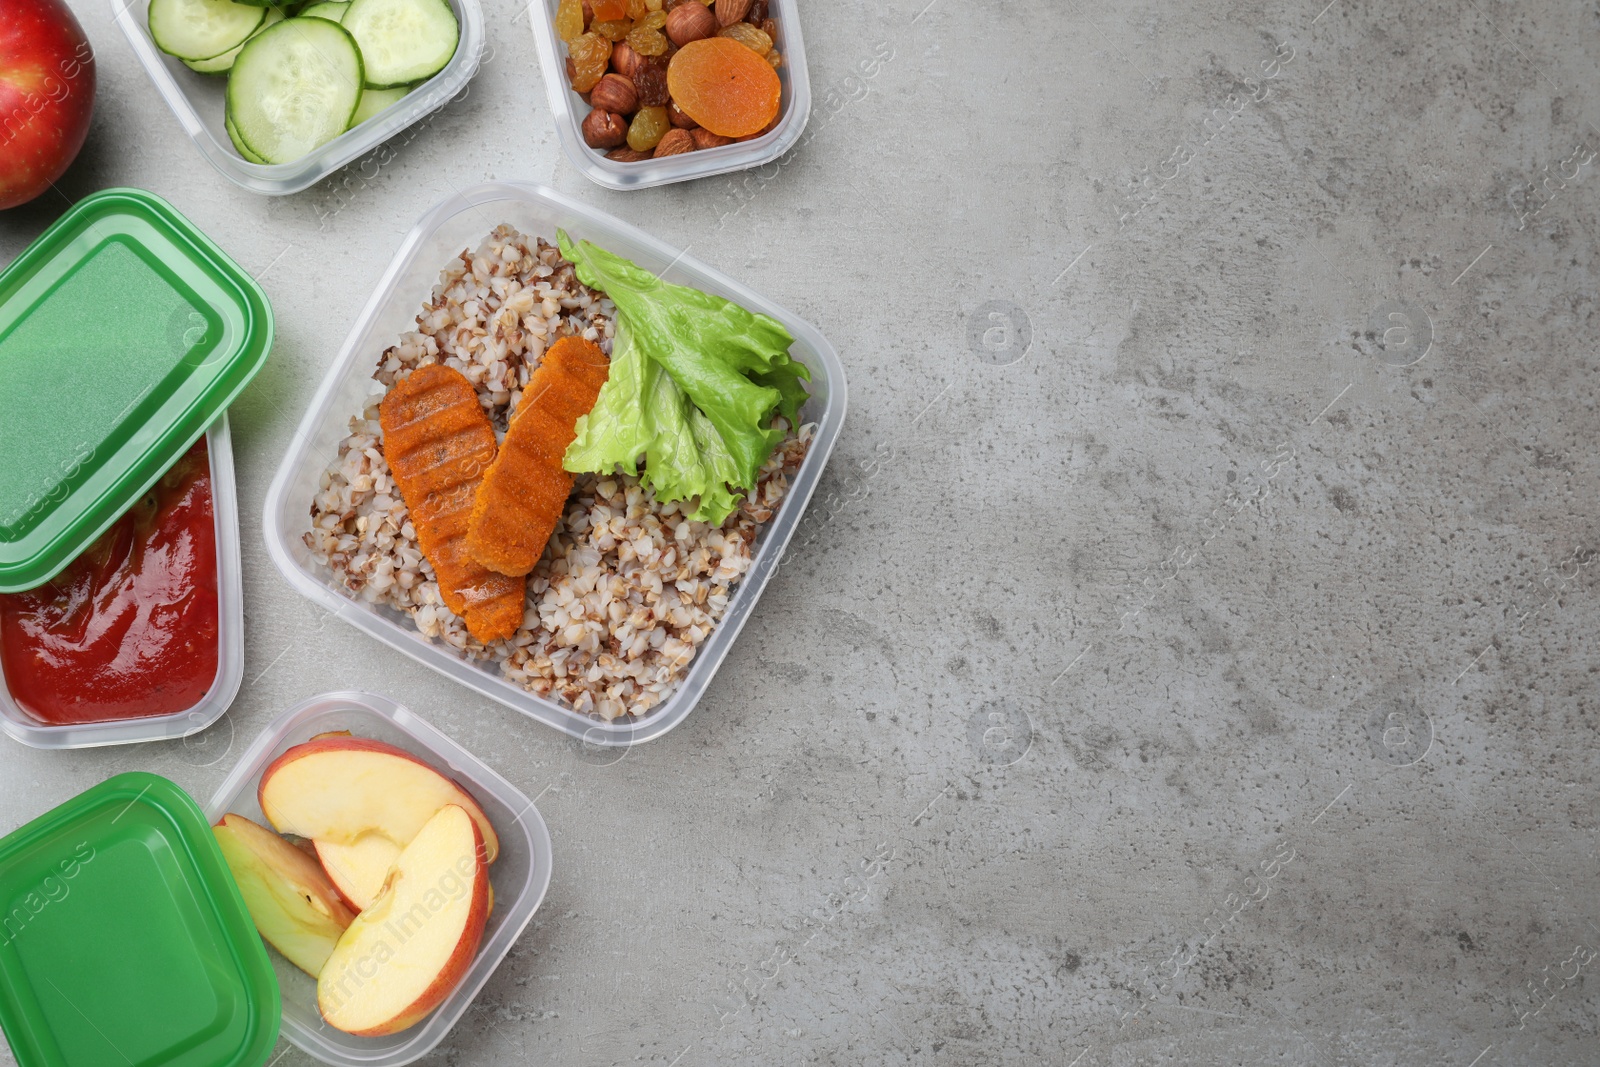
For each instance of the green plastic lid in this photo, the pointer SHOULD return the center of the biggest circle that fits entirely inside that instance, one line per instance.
(124, 940)
(124, 332)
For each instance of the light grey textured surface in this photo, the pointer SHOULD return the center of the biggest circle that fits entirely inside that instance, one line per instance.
(1199, 687)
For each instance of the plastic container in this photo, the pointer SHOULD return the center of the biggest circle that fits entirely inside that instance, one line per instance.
(230, 639)
(462, 221)
(124, 334)
(197, 102)
(569, 111)
(520, 876)
(125, 939)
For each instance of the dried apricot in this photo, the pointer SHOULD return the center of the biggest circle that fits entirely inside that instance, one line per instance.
(569, 19)
(591, 55)
(724, 86)
(647, 129)
(749, 36)
(609, 10)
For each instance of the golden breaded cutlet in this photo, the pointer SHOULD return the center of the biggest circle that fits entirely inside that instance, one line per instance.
(525, 489)
(438, 443)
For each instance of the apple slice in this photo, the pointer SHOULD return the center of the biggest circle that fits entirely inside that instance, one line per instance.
(295, 908)
(359, 869)
(402, 956)
(339, 789)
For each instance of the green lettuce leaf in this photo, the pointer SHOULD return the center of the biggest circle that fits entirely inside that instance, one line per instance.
(641, 411)
(694, 384)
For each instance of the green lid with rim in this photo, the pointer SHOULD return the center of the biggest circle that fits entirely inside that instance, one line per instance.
(124, 332)
(124, 940)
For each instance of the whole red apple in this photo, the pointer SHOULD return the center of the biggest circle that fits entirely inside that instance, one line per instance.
(46, 95)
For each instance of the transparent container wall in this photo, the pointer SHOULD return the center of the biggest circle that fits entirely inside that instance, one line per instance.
(230, 638)
(520, 876)
(569, 111)
(462, 222)
(196, 101)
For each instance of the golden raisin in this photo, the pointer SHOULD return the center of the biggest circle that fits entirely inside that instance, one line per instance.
(591, 55)
(749, 36)
(647, 129)
(612, 30)
(648, 41)
(775, 58)
(569, 19)
(636, 9)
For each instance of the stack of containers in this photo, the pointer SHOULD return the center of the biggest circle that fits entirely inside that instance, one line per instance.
(123, 935)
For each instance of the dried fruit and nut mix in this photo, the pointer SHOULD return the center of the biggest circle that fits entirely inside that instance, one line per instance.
(664, 77)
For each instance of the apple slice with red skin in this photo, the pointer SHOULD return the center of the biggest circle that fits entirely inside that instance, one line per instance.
(359, 869)
(295, 908)
(338, 789)
(403, 956)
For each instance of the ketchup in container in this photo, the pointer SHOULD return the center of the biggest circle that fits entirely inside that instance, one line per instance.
(129, 629)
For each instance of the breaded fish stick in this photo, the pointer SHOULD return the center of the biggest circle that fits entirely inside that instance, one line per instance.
(525, 490)
(438, 442)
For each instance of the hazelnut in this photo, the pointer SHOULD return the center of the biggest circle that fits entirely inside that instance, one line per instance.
(706, 139)
(678, 117)
(616, 94)
(675, 143)
(624, 60)
(690, 22)
(627, 155)
(731, 11)
(602, 129)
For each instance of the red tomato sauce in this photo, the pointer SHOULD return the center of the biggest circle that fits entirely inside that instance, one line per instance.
(129, 629)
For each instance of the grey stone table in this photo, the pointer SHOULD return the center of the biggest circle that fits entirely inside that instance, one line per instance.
(1198, 647)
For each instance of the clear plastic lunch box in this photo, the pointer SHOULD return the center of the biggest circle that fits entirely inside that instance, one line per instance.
(197, 102)
(230, 639)
(520, 876)
(569, 111)
(461, 222)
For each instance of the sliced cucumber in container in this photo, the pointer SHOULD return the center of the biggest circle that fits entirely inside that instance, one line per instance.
(295, 87)
(239, 146)
(374, 101)
(402, 41)
(332, 10)
(224, 63)
(202, 29)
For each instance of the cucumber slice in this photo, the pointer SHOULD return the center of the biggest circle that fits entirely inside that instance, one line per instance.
(295, 87)
(201, 29)
(224, 63)
(402, 41)
(239, 145)
(331, 10)
(376, 100)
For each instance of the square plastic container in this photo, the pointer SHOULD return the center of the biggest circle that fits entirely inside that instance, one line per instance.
(125, 940)
(230, 639)
(197, 102)
(520, 876)
(462, 221)
(569, 111)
